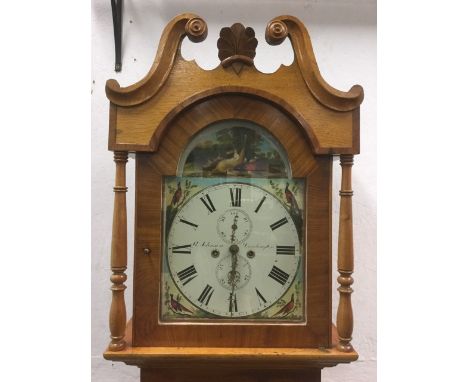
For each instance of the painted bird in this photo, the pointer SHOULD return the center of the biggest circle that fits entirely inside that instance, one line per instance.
(226, 165)
(291, 199)
(177, 307)
(286, 309)
(177, 195)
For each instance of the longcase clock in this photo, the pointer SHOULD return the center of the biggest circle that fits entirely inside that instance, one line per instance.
(232, 253)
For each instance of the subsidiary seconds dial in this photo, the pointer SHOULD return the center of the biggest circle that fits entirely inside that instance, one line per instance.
(234, 225)
(233, 250)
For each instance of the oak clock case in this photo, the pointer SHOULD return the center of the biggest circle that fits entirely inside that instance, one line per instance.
(233, 230)
(232, 273)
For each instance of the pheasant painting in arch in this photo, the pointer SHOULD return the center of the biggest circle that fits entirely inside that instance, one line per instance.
(234, 148)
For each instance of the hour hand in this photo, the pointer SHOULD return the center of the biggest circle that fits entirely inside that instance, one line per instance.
(234, 249)
(234, 228)
(232, 302)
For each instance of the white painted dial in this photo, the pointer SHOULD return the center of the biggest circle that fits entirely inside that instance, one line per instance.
(233, 249)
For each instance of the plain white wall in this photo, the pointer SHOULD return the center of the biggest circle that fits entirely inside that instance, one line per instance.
(344, 38)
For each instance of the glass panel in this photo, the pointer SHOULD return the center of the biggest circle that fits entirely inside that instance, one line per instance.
(233, 250)
(233, 230)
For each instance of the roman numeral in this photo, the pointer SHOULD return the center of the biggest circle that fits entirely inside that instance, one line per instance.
(285, 249)
(205, 296)
(187, 248)
(189, 223)
(278, 224)
(232, 302)
(235, 197)
(260, 296)
(279, 275)
(188, 274)
(208, 203)
(260, 204)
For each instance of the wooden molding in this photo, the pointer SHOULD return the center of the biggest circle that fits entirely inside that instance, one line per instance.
(255, 95)
(227, 358)
(117, 315)
(344, 320)
(202, 357)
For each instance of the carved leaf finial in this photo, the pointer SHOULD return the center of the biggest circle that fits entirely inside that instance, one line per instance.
(237, 46)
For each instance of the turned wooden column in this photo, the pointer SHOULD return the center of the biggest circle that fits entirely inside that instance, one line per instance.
(117, 316)
(344, 320)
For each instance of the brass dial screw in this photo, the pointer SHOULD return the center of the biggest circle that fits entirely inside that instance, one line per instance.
(215, 253)
(250, 254)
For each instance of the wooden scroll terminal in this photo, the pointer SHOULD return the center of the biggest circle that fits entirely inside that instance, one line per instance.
(344, 320)
(117, 316)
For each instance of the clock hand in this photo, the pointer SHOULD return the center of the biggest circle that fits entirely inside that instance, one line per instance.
(234, 249)
(234, 228)
(232, 278)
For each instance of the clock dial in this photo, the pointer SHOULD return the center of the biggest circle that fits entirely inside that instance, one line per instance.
(233, 249)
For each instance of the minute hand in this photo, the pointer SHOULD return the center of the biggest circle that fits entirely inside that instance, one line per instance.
(234, 249)
(234, 228)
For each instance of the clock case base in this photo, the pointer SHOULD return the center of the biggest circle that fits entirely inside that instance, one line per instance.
(197, 364)
(229, 375)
